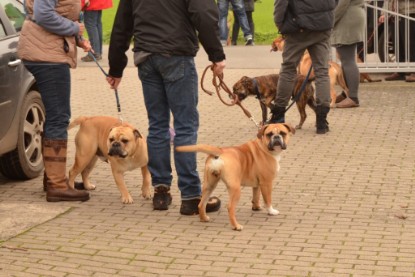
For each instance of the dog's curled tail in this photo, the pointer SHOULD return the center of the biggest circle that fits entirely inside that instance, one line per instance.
(77, 121)
(204, 148)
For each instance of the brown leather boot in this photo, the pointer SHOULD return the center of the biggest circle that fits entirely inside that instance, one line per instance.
(78, 185)
(57, 188)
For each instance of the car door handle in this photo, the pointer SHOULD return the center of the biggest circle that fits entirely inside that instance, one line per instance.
(15, 63)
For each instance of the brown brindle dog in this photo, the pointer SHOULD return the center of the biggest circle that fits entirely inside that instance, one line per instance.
(254, 164)
(264, 88)
(335, 71)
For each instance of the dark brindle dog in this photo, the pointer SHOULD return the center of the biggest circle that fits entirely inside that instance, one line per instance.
(265, 89)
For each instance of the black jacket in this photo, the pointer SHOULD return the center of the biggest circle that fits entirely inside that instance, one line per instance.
(170, 27)
(293, 15)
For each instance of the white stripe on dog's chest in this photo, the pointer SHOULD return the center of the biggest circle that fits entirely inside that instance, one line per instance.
(277, 159)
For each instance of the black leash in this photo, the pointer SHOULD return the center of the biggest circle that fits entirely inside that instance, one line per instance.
(116, 91)
(81, 19)
(302, 88)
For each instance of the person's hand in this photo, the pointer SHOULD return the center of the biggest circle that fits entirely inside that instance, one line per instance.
(86, 45)
(382, 18)
(113, 81)
(81, 28)
(218, 67)
(87, 3)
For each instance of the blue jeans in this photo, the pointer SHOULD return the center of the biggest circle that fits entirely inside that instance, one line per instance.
(170, 85)
(93, 25)
(239, 10)
(54, 83)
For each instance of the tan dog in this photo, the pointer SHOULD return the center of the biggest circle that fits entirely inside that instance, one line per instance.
(121, 145)
(335, 71)
(265, 89)
(253, 164)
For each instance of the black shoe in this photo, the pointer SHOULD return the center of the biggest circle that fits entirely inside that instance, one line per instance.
(278, 115)
(190, 207)
(162, 198)
(321, 119)
(249, 42)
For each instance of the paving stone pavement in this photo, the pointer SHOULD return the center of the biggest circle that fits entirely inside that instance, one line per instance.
(346, 199)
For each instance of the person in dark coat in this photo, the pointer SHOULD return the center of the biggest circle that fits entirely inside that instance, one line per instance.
(306, 25)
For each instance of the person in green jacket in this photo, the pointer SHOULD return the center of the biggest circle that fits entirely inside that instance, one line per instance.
(348, 31)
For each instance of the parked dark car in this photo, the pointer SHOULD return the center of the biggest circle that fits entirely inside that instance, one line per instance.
(22, 114)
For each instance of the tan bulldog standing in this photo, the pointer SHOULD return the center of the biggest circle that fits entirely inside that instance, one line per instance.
(253, 164)
(119, 144)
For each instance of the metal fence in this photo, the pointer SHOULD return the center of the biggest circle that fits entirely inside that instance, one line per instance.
(381, 50)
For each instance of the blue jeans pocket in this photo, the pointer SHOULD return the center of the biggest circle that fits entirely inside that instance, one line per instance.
(170, 68)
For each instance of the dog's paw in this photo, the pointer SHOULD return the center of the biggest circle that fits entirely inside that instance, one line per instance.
(146, 194)
(256, 207)
(127, 199)
(238, 227)
(204, 218)
(89, 186)
(272, 211)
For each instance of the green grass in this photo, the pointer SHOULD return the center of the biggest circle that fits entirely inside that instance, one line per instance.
(265, 30)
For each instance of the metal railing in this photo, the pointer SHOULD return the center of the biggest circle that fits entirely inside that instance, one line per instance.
(380, 51)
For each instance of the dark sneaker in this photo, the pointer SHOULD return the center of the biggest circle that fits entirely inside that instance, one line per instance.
(162, 198)
(190, 207)
(249, 42)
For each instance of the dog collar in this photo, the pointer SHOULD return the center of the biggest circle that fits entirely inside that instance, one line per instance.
(258, 93)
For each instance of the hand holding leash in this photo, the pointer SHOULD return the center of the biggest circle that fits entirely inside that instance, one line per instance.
(218, 67)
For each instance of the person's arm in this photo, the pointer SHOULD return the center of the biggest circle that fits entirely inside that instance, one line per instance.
(122, 32)
(280, 8)
(204, 16)
(45, 15)
(121, 35)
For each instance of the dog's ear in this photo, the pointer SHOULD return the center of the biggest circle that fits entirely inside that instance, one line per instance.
(289, 127)
(248, 83)
(261, 131)
(137, 134)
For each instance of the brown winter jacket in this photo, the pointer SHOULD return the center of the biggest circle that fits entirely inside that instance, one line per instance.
(36, 44)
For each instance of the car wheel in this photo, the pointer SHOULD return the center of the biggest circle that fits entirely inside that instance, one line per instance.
(25, 162)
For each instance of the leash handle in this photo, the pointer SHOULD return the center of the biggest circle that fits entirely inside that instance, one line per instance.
(221, 85)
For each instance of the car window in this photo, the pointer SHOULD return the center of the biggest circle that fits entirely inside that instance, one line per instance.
(14, 11)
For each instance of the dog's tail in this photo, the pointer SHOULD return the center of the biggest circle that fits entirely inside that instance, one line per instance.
(77, 121)
(204, 148)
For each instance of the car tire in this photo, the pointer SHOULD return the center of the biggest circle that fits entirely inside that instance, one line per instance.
(26, 162)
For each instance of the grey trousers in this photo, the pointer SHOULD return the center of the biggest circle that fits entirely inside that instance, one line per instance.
(318, 45)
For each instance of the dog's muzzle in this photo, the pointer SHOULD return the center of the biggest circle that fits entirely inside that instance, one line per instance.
(277, 141)
(116, 150)
(240, 96)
